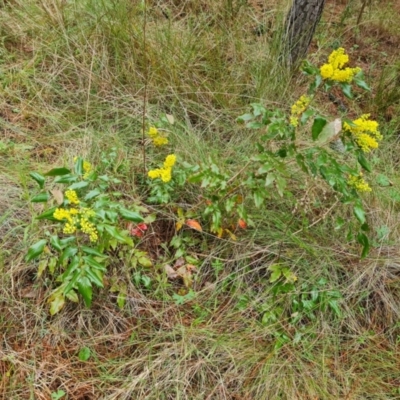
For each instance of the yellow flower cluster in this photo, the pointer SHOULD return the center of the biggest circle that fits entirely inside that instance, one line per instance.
(164, 173)
(334, 70)
(72, 196)
(155, 136)
(89, 228)
(358, 183)
(298, 108)
(76, 218)
(365, 133)
(87, 168)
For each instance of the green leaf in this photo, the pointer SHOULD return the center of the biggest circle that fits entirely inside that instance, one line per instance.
(40, 179)
(78, 166)
(275, 276)
(245, 118)
(94, 278)
(58, 172)
(359, 213)
(85, 289)
(67, 240)
(121, 300)
(72, 282)
(55, 242)
(330, 131)
(359, 81)
(40, 198)
(84, 354)
(72, 296)
(280, 184)
(35, 250)
(319, 123)
(42, 267)
(363, 240)
(78, 185)
(346, 89)
(306, 116)
(92, 194)
(57, 304)
(145, 262)
(67, 253)
(48, 214)
(383, 180)
(130, 215)
(116, 234)
(92, 252)
(93, 263)
(363, 161)
(66, 179)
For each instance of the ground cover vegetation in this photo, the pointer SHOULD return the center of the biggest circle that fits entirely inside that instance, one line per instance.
(183, 217)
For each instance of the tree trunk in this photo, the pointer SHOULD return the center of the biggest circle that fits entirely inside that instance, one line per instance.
(301, 22)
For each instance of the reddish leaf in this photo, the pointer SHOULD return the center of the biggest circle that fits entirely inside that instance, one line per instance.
(194, 225)
(242, 224)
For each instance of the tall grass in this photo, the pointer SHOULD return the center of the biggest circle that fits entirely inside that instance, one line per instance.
(73, 75)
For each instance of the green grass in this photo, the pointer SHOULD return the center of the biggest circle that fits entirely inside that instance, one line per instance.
(72, 81)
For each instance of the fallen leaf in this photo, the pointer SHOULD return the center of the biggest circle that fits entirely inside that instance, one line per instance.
(185, 275)
(191, 268)
(242, 223)
(179, 262)
(58, 196)
(171, 273)
(194, 225)
(170, 118)
(178, 226)
(232, 235)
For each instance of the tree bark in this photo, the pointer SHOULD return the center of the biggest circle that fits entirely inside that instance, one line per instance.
(301, 23)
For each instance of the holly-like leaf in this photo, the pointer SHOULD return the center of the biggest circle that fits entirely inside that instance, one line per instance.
(57, 303)
(130, 215)
(85, 289)
(362, 238)
(359, 212)
(92, 194)
(40, 179)
(48, 214)
(363, 161)
(35, 250)
(40, 198)
(319, 123)
(58, 172)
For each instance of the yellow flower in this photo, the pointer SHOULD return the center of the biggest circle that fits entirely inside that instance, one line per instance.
(366, 142)
(69, 228)
(154, 173)
(160, 141)
(72, 196)
(365, 133)
(334, 69)
(294, 121)
(300, 106)
(87, 212)
(344, 75)
(89, 228)
(358, 183)
(153, 132)
(338, 58)
(166, 175)
(62, 213)
(326, 71)
(170, 161)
